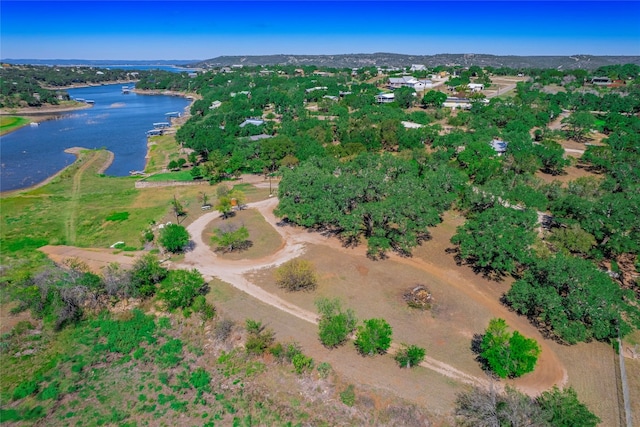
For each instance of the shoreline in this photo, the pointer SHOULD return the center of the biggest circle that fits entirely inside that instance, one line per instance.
(187, 113)
(40, 115)
(76, 151)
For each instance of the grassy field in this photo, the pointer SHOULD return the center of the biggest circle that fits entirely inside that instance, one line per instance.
(9, 123)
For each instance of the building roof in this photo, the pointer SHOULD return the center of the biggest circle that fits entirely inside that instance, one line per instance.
(499, 145)
(252, 121)
(259, 137)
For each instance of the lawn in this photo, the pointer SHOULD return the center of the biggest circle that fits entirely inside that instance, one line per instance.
(264, 239)
(9, 123)
(183, 175)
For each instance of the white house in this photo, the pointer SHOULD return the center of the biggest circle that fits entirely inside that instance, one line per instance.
(252, 121)
(453, 103)
(409, 81)
(475, 87)
(499, 145)
(385, 98)
(215, 104)
(411, 125)
(417, 67)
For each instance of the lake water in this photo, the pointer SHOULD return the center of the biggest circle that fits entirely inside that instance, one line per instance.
(117, 122)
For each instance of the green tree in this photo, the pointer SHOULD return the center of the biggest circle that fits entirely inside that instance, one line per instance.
(434, 98)
(145, 274)
(409, 356)
(296, 275)
(508, 354)
(231, 239)
(551, 154)
(335, 325)
(174, 238)
(180, 287)
(224, 206)
(373, 337)
(578, 125)
(497, 240)
(571, 298)
(561, 408)
(405, 96)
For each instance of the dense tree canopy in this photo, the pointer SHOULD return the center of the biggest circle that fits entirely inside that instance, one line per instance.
(387, 201)
(574, 300)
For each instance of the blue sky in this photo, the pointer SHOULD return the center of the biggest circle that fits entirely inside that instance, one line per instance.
(205, 29)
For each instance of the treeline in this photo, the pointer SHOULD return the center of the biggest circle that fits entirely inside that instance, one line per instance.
(31, 85)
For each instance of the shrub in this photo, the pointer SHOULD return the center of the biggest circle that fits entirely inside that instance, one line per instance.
(200, 380)
(302, 363)
(259, 337)
(410, 356)
(506, 354)
(324, 369)
(229, 239)
(118, 216)
(348, 396)
(296, 275)
(223, 329)
(174, 238)
(181, 287)
(335, 325)
(24, 389)
(373, 336)
(206, 310)
(146, 272)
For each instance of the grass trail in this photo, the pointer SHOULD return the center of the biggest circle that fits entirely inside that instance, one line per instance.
(74, 204)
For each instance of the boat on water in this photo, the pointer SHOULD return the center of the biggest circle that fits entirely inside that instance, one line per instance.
(34, 124)
(90, 101)
(126, 89)
(153, 132)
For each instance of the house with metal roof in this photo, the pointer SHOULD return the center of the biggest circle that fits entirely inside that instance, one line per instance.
(385, 98)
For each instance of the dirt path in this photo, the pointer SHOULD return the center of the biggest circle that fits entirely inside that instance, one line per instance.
(549, 371)
(72, 211)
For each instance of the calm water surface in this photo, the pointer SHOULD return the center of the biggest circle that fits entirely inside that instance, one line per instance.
(116, 122)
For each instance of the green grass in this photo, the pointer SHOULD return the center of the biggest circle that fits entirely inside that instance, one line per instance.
(9, 123)
(184, 175)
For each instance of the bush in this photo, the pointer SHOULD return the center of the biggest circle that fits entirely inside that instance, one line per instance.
(302, 363)
(146, 272)
(508, 355)
(223, 329)
(206, 310)
(231, 239)
(174, 238)
(335, 325)
(324, 369)
(296, 275)
(348, 396)
(181, 287)
(410, 356)
(259, 337)
(373, 336)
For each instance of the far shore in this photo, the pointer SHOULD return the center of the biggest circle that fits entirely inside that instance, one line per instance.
(73, 150)
(41, 114)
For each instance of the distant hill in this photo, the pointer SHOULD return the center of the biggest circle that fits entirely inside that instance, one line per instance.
(97, 62)
(399, 60)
